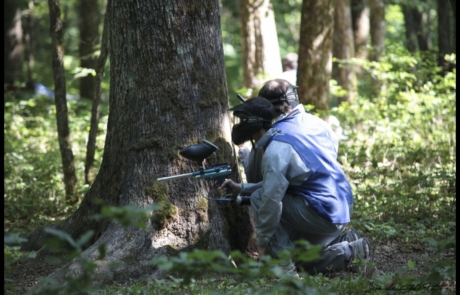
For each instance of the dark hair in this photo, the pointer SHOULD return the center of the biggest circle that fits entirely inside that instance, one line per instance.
(276, 92)
(255, 113)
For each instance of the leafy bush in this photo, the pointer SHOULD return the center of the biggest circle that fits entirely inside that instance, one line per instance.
(34, 191)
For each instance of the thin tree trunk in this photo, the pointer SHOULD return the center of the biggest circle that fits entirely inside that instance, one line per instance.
(360, 24)
(452, 5)
(13, 53)
(422, 39)
(411, 36)
(68, 165)
(100, 64)
(259, 43)
(29, 24)
(377, 29)
(89, 38)
(443, 33)
(343, 49)
(315, 52)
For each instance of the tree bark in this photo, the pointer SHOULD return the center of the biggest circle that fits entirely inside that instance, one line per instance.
(89, 38)
(452, 5)
(377, 29)
(343, 49)
(416, 34)
(315, 52)
(168, 90)
(409, 24)
(65, 147)
(360, 24)
(444, 35)
(99, 67)
(259, 43)
(13, 53)
(28, 36)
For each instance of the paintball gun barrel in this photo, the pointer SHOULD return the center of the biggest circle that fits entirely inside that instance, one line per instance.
(199, 152)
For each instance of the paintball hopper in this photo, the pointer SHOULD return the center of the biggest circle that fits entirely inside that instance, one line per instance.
(198, 152)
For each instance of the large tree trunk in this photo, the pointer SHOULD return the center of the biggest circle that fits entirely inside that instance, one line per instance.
(344, 50)
(13, 55)
(315, 52)
(89, 38)
(99, 67)
(65, 147)
(360, 25)
(168, 90)
(259, 43)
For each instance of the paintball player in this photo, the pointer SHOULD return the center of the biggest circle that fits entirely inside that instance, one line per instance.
(283, 96)
(304, 193)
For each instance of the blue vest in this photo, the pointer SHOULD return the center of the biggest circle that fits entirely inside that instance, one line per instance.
(327, 190)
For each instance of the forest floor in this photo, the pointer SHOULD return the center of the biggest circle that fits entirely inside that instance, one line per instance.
(389, 257)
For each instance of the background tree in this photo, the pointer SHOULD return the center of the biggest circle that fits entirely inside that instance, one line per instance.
(89, 20)
(414, 28)
(315, 52)
(259, 43)
(96, 98)
(377, 32)
(452, 4)
(444, 32)
(168, 90)
(360, 25)
(28, 39)
(377, 28)
(344, 50)
(68, 165)
(13, 54)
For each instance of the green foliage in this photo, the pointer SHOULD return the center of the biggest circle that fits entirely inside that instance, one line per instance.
(11, 255)
(247, 276)
(79, 284)
(33, 174)
(401, 153)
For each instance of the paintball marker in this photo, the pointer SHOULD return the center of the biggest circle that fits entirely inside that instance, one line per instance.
(199, 152)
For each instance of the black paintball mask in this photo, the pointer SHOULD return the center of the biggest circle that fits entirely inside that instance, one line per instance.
(247, 125)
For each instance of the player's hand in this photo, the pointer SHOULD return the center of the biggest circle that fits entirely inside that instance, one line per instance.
(236, 187)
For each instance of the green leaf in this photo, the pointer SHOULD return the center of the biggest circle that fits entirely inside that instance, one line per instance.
(62, 235)
(84, 238)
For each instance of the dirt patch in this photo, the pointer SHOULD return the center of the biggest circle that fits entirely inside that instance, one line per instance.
(27, 271)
